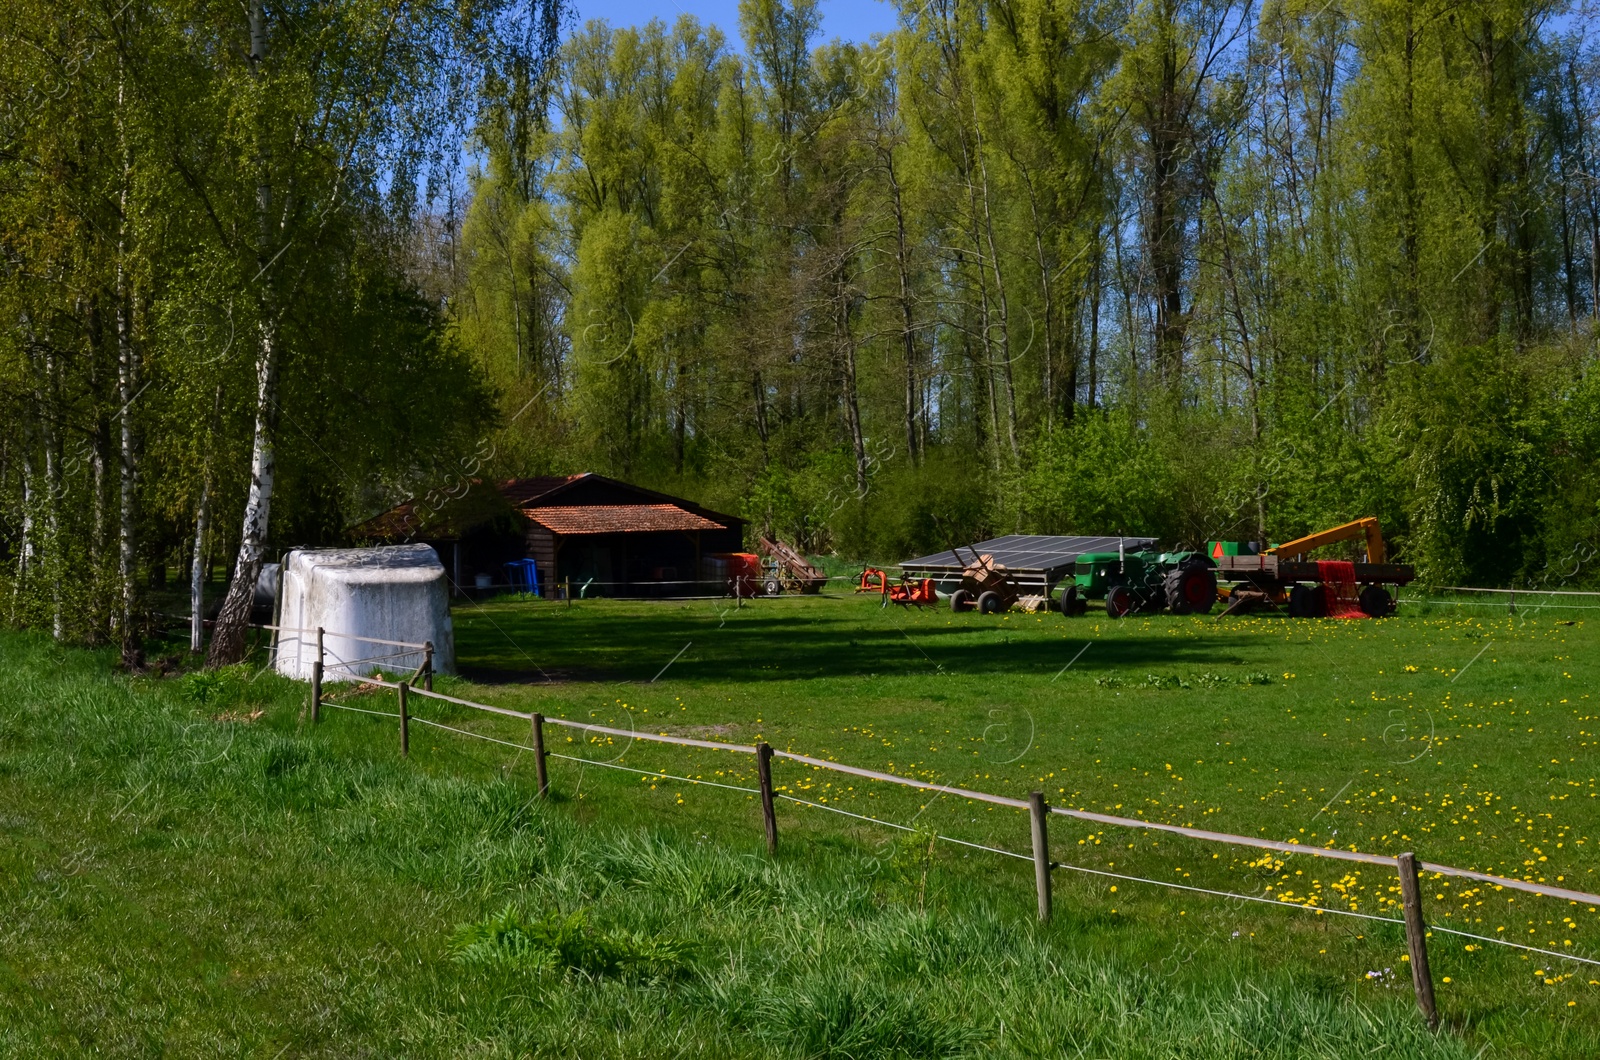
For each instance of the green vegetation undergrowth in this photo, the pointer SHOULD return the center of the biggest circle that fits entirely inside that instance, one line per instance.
(189, 868)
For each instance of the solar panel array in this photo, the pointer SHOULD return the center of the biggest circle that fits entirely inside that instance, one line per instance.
(1045, 554)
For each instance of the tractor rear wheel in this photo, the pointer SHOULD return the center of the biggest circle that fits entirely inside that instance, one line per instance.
(1376, 601)
(1071, 603)
(1120, 601)
(1171, 587)
(1190, 590)
(960, 600)
(989, 603)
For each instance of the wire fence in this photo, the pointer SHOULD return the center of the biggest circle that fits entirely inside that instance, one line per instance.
(1519, 592)
(1508, 599)
(1406, 865)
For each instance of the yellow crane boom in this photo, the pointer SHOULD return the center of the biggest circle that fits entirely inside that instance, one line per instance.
(1368, 528)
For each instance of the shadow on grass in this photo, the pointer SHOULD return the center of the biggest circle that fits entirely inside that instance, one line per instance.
(639, 644)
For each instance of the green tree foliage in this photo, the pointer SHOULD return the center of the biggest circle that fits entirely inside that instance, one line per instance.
(211, 287)
(1199, 268)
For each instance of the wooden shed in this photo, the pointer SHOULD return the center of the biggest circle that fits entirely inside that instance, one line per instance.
(602, 536)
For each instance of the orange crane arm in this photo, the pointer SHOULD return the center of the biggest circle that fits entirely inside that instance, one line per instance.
(1368, 528)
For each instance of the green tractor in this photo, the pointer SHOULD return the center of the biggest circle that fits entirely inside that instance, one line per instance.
(1184, 583)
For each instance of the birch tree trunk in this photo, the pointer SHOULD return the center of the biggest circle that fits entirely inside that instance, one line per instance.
(104, 611)
(197, 573)
(55, 562)
(846, 340)
(1591, 196)
(127, 381)
(227, 640)
(1000, 295)
(25, 548)
(126, 472)
(1051, 399)
(1092, 397)
(908, 333)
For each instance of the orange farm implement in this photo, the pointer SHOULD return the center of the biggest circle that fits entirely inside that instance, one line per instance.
(873, 580)
(913, 593)
(908, 592)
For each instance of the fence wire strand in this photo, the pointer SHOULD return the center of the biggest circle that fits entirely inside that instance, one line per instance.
(359, 710)
(650, 772)
(1515, 945)
(902, 827)
(464, 732)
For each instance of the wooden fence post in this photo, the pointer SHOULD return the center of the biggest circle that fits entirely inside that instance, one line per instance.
(405, 722)
(536, 723)
(768, 816)
(427, 665)
(1417, 938)
(1038, 811)
(316, 681)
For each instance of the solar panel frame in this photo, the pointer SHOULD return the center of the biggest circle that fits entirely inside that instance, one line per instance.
(1045, 556)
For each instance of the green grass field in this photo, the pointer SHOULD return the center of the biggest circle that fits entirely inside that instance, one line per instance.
(188, 876)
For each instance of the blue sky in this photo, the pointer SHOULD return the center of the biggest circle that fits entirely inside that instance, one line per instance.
(853, 20)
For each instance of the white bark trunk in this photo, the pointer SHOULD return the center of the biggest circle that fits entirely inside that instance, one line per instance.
(1000, 295)
(52, 500)
(25, 553)
(126, 471)
(197, 572)
(227, 641)
(227, 638)
(127, 380)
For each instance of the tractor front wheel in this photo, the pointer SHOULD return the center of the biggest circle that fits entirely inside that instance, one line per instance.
(989, 603)
(960, 601)
(1120, 601)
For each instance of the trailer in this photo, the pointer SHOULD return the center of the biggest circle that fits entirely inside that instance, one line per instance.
(1284, 576)
(1311, 588)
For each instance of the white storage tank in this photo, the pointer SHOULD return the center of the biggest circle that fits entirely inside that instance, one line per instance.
(398, 593)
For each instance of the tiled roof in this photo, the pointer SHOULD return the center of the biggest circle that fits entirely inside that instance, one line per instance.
(447, 514)
(444, 515)
(398, 522)
(618, 519)
(520, 491)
